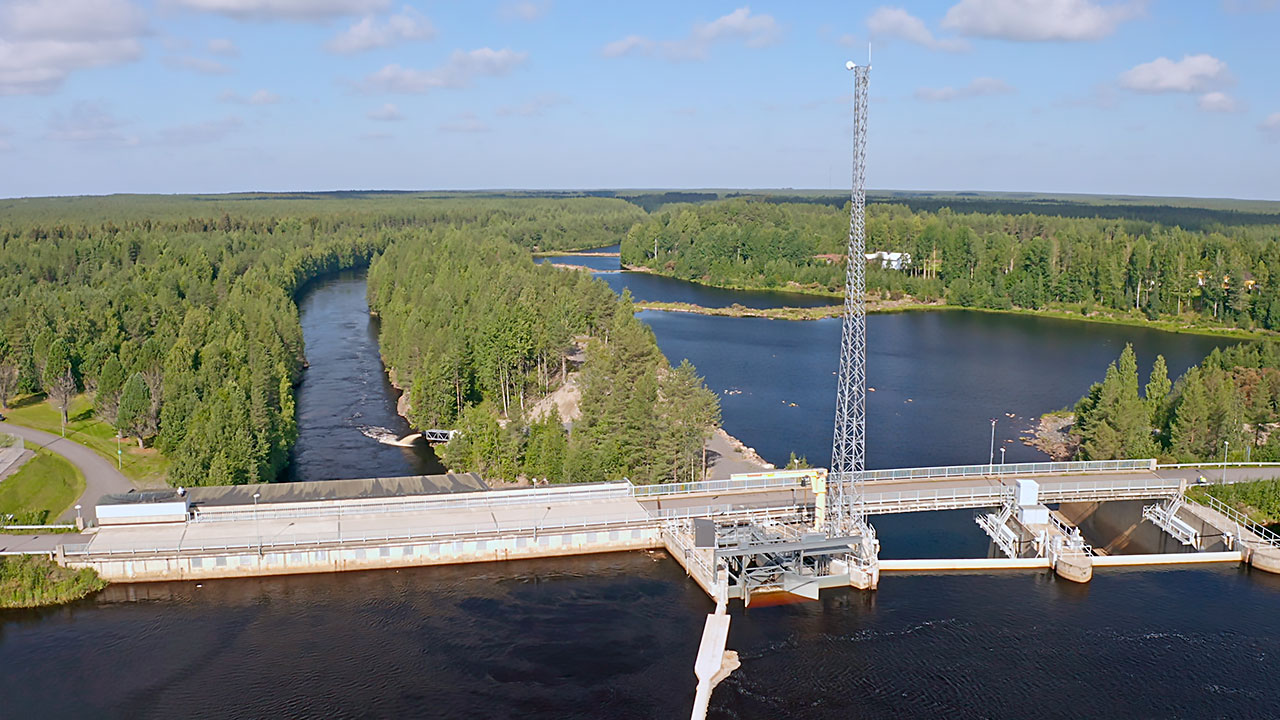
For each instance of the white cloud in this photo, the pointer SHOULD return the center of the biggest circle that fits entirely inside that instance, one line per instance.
(1271, 125)
(284, 9)
(260, 97)
(200, 133)
(465, 123)
(225, 47)
(204, 66)
(386, 113)
(1218, 102)
(1040, 20)
(627, 45)
(406, 26)
(43, 41)
(461, 68)
(523, 11)
(755, 31)
(898, 23)
(1193, 73)
(90, 123)
(533, 106)
(977, 88)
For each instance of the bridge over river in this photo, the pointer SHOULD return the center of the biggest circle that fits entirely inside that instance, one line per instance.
(750, 534)
(222, 532)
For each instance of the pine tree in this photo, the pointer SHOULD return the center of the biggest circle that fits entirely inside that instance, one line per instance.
(133, 418)
(1190, 435)
(1157, 393)
(1119, 426)
(110, 382)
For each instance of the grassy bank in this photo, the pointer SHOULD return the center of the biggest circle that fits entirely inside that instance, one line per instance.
(1260, 499)
(782, 313)
(34, 581)
(41, 489)
(908, 304)
(146, 467)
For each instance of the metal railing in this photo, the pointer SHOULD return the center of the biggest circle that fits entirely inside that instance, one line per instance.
(942, 499)
(1209, 465)
(714, 486)
(879, 503)
(1004, 469)
(460, 501)
(1265, 535)
(467, 531)
(1103, 490)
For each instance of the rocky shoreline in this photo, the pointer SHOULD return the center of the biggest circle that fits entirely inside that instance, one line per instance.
(1054, 436)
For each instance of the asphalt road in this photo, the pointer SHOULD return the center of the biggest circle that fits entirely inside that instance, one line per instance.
(99, 477)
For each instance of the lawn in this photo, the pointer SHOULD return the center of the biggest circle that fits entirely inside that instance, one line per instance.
(46, 482)
(146, 467)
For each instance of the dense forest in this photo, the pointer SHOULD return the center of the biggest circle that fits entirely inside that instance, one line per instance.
(176, 316)
(1222, 275)
(1228, 407)
(478, 334)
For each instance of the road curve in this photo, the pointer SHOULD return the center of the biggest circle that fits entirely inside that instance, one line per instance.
(99, 477)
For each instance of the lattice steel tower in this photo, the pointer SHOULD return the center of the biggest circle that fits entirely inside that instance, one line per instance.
(848, 449)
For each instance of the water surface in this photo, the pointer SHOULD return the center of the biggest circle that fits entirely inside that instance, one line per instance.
(615, 635)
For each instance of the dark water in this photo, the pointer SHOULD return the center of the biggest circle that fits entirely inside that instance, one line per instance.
(655, 288)
(939, 378)
(614, 636)
(346, 405)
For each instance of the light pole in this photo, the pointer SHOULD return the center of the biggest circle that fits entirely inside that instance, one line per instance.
(1002, 449)
(257, 528)
(991, 460)
(119, 453)
(1225, 445)
(79, 518)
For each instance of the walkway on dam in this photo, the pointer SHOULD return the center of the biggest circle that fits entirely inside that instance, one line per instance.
(581, 508)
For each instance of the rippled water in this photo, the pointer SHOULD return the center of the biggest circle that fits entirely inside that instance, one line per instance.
(614, 636)
(347, 421)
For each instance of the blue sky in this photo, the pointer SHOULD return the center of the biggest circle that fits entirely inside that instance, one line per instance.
(1138, 97)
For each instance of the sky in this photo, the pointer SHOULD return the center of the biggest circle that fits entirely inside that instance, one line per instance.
(1138, 97)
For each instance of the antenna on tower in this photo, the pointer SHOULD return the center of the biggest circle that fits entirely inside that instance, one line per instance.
(848, 447)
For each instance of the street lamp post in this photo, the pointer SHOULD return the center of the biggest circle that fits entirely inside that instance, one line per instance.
(257, 528)
(1225, 445)
(1002, 449)
(991, 459)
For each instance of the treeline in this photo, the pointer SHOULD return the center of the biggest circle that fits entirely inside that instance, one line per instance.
(477, 334)
(176, 316)
(1229, 275)
(1228, 407)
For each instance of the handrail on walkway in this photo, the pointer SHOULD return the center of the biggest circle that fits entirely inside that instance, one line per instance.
(1211, 465)
(797, 478)
(1264, 533)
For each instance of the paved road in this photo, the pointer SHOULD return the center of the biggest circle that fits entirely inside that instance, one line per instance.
(35, 544)
(99, 477)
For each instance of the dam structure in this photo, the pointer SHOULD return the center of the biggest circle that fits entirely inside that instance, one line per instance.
(759, 520)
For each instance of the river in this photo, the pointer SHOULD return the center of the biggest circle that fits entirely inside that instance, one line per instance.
(615, 635)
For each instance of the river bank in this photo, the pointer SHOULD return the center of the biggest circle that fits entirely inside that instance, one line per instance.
(906, 303)
(28, 581)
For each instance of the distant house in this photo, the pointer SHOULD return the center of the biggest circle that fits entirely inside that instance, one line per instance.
(890, 260)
